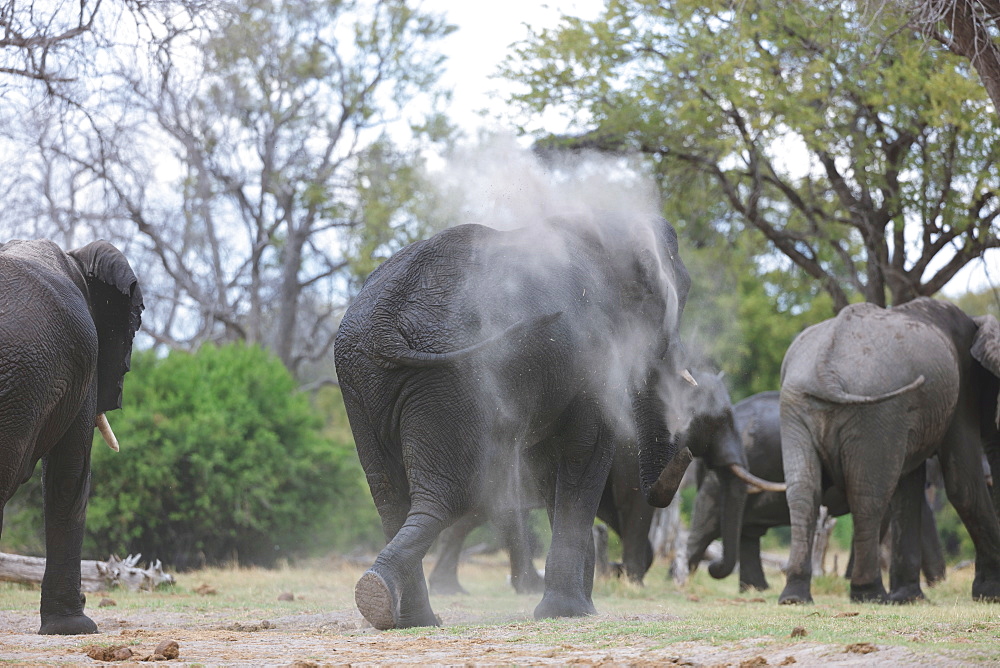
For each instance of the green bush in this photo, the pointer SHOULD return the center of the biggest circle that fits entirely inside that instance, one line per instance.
(223, 460)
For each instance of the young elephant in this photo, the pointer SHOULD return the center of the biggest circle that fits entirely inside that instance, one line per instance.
(66, 327)
(866, 398)
(475, 350)
(758, 422)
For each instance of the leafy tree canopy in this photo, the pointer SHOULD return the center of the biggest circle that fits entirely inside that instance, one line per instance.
(871, 165)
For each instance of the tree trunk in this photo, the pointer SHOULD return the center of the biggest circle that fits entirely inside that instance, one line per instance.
(94, 575)
(824, 527)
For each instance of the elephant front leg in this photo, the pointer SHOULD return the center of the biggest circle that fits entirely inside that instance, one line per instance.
(569, 567)
(66, 481)
(751, 570)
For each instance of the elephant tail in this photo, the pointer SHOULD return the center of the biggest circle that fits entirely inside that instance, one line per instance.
(839, 397)
(405, 356)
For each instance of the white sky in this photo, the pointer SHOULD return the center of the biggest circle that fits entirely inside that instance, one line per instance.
(485, 32)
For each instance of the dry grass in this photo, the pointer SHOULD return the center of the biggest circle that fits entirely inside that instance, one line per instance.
(705, 621)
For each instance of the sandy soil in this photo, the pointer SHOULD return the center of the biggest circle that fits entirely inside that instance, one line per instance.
(342, 637)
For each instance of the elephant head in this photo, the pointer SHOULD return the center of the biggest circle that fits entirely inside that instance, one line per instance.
(116, 305)
(707, 429)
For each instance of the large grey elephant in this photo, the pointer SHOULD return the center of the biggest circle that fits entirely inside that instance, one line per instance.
(758, 422)
(66, 326)
(866, 398)
(469, 352)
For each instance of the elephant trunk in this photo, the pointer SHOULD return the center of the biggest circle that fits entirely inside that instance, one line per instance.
(105, 429)
(705, 518)
(661, 465)
(662, 492)
(732, 501)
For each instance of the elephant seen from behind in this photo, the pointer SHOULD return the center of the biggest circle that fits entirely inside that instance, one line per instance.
(474, 351)
(758, 422)
(866, 398)
(66, 326)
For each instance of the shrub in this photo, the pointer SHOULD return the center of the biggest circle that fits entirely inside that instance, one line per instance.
(222, 460)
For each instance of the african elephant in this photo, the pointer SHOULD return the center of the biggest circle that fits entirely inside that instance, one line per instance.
(513, 529)
(866, 398)
(758, 423)
(702, 418)
(66, 327)
(472, 351)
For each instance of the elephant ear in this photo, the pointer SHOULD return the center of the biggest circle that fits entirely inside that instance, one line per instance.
(116, 304)
(986, 348)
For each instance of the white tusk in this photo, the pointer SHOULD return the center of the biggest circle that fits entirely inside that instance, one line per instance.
(686, 375)
(760, 483)
(105, 428)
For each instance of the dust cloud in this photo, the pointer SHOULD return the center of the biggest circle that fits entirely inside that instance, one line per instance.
(555, 213)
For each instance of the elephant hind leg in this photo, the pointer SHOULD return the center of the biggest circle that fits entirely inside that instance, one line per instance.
(393, 592)
(907, 528)
(803, 473)
(968, 493)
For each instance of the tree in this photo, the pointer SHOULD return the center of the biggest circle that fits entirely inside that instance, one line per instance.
(872, 169)
(257, 170)
(64, 49)
(223, 459)
(968, 28)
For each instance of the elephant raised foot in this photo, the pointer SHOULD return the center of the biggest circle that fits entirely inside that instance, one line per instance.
(376, 601)
(379, 599)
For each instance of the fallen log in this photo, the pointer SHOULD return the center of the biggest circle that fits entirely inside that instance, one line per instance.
(94, 575)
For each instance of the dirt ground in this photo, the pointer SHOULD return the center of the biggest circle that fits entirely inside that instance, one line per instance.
(342, 638)
(319, 625)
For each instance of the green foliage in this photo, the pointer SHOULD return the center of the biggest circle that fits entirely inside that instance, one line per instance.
(742, 316)
(984, 302)
(858, 159)
(221, 460)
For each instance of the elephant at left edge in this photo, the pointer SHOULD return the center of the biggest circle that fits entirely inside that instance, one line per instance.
(470, 352)
(66, 326)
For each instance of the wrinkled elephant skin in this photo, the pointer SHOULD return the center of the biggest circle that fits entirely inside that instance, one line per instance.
(758, 422)
(475, 351)
(66, 326)
(866, 398)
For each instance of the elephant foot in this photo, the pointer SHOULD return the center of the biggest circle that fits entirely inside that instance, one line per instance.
(529, 582)
(796, 592)
(873, 592)
(907, 594)
(757, 585)
(376, 601)
(67, 625)
(560, 605)
(986, 590)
